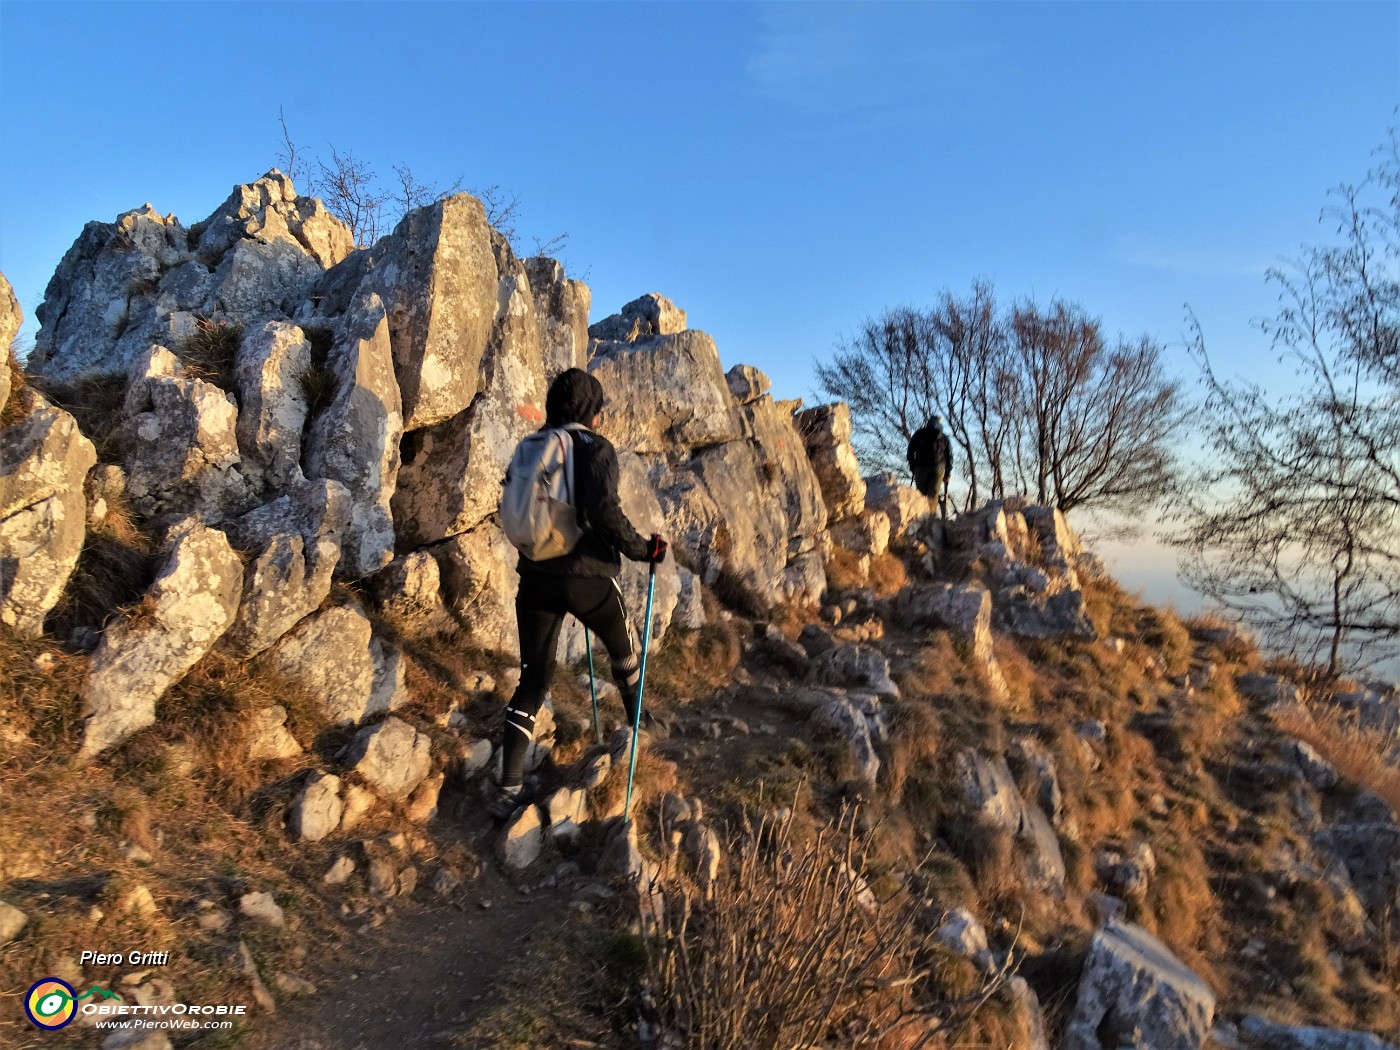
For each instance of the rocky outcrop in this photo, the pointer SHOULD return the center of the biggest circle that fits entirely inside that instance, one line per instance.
(1266, 1035)
(188, 608)
(355, 440)
(269, 211)
(561, 314)
(826, 432)
(10, 320)
(43, 462)
(902, 504)
(271, 369)
(651, 314)
(1135, 992)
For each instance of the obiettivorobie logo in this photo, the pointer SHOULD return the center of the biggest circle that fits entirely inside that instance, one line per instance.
(52, 1004)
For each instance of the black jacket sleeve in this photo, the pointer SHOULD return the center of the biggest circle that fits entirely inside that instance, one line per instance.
(598, 500)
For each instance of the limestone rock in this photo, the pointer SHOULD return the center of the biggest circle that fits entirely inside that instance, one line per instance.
(271, 368)
(12, 922)
(389, 686)
(987, 788)
(479, 584)
(901, 504)
(450, 481)
(358, 803)
(328, 655)
(858, 718)
(316, 810)
(10, 320)
(652, 314)
(965, 612)
(43, 461)
(136, 1039)
(826, 433)
(180, 443)
(855, 666)
(269, 737)
(436, 276)
(392, 757)
(190, 605)
(262, 908)
(1266, 1034)
(269, 211)
(339, 872)
(561, 315)
(1134, 992)
(409, 592)
(567, 812)
(962, 933)
(666, 393)
(100, 309)
(522, 840)
(422, 804)
(1371, 853)
(746, 383)
(355, 439)
(257, 279)
(297, 537)
(867, 533)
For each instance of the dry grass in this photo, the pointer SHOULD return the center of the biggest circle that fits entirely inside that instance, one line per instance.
(21, 402)
(888, 576)
(1363, 756)
(789, 948)
(845, 570)
(96, 404)
(688, 664)
(210, 352)
(117, 564)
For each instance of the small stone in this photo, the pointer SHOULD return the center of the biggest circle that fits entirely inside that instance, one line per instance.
(383, 877)
(263, 908)
(408, 881)
(216, 921)
(339, 872)
(445, 883)
(358, 801)
(12, 922)
(260, 993)
(138, 902)
(290, 984)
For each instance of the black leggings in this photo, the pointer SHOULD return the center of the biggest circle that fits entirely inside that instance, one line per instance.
(540, 607)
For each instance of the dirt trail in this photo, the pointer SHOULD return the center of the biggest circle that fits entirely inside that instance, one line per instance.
(414, 979)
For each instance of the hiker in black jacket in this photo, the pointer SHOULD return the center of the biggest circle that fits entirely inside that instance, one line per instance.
(931, 461)
(582, 583)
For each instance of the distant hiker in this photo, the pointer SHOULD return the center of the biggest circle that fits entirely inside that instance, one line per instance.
(581, 582)
(931, 460)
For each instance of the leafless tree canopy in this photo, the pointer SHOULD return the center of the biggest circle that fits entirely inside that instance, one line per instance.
(353, 192)
(1036, 401)
(1295, 524)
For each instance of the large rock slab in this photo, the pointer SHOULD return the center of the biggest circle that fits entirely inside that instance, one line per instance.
(43, 462)
(561, 315)
(179, 443)
(98, 313)
(188, 608)
(328, 655)
(785, 474)
(666, 393)
(479, 584)
(270, 368)
(294, 543)
(902, 504)
(1135, 993)
(965, 612)
(450, 481)
(269, 211)
(826, 433)
(355, 440)
(393, 757)
(436, 276)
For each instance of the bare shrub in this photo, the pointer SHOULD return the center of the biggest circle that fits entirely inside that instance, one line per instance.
(789, 948)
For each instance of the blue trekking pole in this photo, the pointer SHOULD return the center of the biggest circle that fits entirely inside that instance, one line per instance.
(592, 685)
(641, 681)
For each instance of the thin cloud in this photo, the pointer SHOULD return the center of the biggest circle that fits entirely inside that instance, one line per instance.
(1190, 262)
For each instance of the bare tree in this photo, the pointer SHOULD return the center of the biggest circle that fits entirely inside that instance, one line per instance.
(1294, 524)
(1035, 401)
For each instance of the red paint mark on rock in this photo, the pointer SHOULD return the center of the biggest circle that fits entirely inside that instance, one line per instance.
(530, 412)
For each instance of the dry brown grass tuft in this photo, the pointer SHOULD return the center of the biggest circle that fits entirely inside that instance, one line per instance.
(888, 576)
(1163, 632)
(1364, 756)
(96, 404)
(210, 352)
(845, 570)
(21, 402)
(850, 966)
(915, 736)
(687, 664)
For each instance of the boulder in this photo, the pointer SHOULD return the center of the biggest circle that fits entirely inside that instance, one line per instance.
(522, 840)
(785, 474)
(355, 439)
(747, 384)
(269, 211)
(901, 504)
(855, 666)
(179, 441)
(436, 276)
(255, 280)
(1266, 1035)
(1135, 993)
(392, 757)
(450, 480)
(297, 539)
(99, 311)
(652, 314)
(561, 315)
(567, 812)
(190, 605)
(479, 584)
(270, 369)
(269, 737)
(328, 655)
(666, 394)
(316, 810)
(43, 512)
(867, 533)
(1371, 853)
(989, 792)
(826, 434)
(408, 591)
(858, 719)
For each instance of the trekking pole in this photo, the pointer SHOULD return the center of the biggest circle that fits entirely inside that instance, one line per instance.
(592, 684)
(641, 682)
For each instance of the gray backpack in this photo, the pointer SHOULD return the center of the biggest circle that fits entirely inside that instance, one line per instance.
(537, 502)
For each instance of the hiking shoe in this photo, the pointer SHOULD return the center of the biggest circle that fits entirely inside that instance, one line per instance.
(503, 802)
